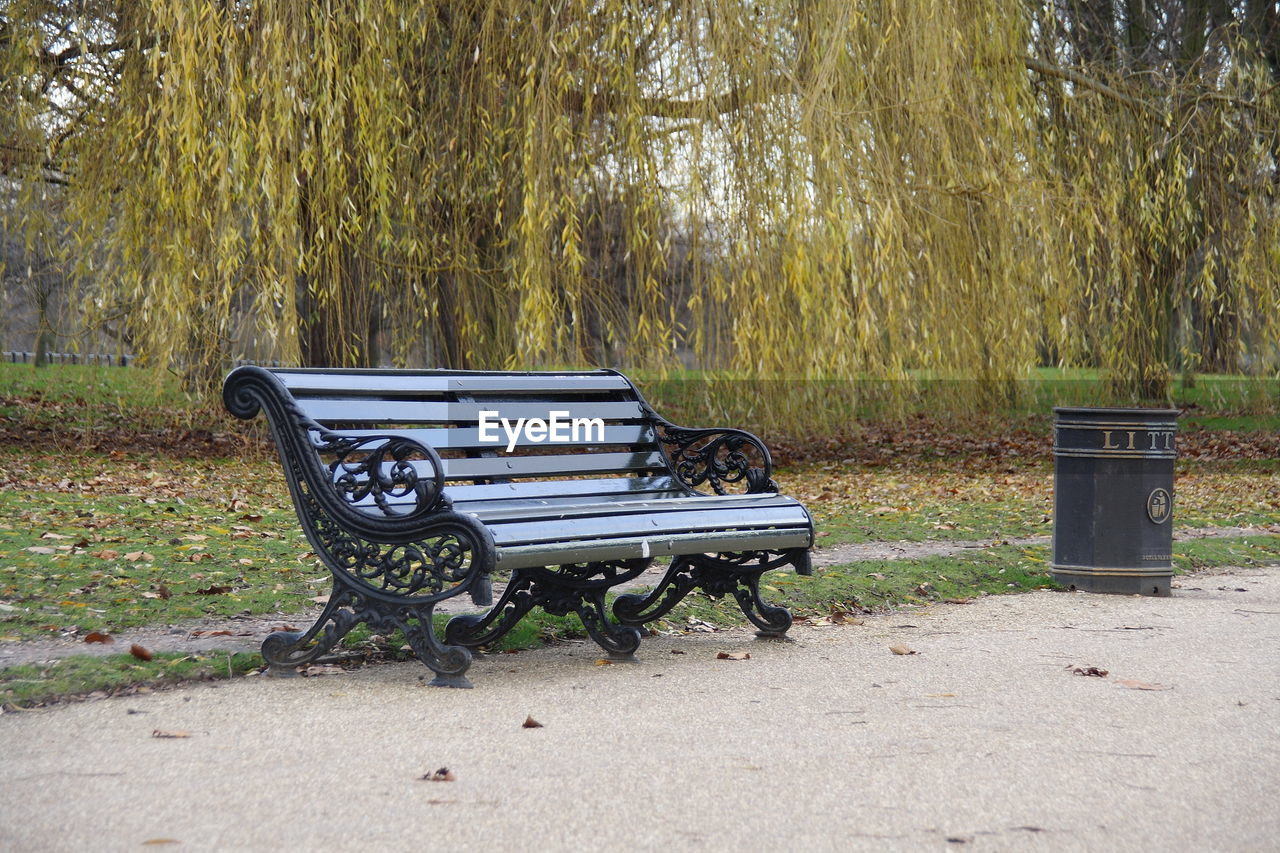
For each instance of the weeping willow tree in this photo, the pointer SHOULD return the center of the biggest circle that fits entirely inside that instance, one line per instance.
(788, 189)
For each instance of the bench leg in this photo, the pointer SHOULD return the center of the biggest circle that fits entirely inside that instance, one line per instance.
(528, 591)
(472, 629)
(285, 651)
(723, 574)
(449, 662)
(620, 641)
(681, 578)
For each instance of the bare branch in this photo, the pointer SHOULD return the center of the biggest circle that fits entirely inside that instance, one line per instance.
(1101, 88)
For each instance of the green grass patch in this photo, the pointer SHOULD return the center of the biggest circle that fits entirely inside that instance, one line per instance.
(1214, 552)
(68, 396)
(104, 563)
(29, 684)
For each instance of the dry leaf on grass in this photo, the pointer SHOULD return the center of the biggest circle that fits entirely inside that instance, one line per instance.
(900, 649)
(531, 723)
(733, 656)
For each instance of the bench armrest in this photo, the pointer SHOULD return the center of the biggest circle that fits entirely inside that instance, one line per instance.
(717, 457)
(374, 467)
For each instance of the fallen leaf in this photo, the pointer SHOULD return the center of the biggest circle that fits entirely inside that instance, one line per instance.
(97, 637)
(322, 669)
(151, 842)
(214, 590)
(733, 656)
(1134, 684)
(161, 733)
(1089, 670)
(444, 774)
(603, 662)
(140, 652)
(531, 723)
(900, 649)
(41, 549)
(876, 575)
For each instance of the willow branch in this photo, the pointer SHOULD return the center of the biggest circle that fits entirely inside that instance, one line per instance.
(729, 102)
(1078, 79)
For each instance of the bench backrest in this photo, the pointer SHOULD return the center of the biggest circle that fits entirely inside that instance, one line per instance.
(597, 438)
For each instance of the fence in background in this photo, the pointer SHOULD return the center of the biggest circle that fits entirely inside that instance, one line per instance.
(15, 357)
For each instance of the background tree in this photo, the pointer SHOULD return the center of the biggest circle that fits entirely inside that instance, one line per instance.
(818, 190)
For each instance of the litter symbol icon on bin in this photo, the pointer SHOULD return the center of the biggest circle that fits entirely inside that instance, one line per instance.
(1159, 504)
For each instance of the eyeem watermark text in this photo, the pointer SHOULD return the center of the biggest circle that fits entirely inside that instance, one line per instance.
(558, 428)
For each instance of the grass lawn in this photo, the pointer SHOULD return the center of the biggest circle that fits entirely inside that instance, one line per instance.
(121, 505)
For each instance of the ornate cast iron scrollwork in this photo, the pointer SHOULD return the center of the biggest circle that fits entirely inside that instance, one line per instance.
(737, 574)
(363, 468)
(284, 651)
(385, 531)
(448, 554)
(575, 588)
(717, 458)
(377, 468)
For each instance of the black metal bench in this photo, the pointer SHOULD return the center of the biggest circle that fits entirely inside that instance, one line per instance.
(407, 497)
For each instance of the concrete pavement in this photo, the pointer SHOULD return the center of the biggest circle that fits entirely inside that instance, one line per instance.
(982, 740)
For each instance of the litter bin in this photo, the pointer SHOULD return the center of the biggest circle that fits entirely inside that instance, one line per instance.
(1113, 499)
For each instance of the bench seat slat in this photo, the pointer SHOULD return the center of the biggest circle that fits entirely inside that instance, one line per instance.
(328, 410)
(468, 438)
(547, 466)
(469, 495)
(638, 547)
(472, 498)
(546, 509)
(304, 384)
(643, 524)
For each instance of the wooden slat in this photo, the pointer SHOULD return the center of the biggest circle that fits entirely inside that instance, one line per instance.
(698, 542)
(653, 524)
(566, 465)
(413, 382)
(468, 438)
(547, 509)
(414, 411)
(467, 497)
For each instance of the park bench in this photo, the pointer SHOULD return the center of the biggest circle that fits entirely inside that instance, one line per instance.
(416, 486)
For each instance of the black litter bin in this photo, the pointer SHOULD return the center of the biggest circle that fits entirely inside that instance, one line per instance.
(1113, 499)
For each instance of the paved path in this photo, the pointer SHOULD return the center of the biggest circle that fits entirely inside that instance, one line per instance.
(984, 740)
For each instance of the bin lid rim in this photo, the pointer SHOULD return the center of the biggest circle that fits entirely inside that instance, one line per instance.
(1105, 410)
